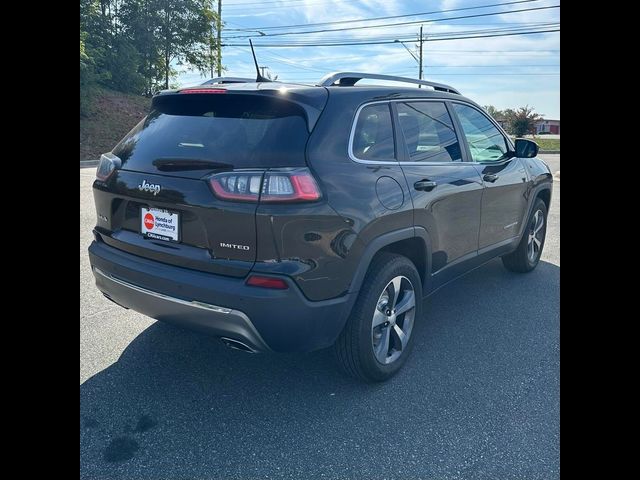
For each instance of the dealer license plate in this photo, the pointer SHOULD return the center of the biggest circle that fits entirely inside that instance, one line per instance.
(160, 224)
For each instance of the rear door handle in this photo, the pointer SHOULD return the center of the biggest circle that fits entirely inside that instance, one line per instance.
(490, 177)
(426, 185)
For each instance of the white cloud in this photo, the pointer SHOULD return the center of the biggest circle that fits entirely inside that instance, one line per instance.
(250, 15)
(449, 4)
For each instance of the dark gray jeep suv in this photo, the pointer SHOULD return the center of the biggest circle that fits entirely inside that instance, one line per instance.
(286, 217)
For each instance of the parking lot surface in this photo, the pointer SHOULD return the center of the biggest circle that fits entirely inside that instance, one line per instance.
(479, 397)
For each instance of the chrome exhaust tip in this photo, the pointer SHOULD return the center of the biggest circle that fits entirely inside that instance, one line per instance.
(237, 345)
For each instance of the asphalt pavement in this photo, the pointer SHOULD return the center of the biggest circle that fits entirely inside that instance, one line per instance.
(479, 397)
(553, 160)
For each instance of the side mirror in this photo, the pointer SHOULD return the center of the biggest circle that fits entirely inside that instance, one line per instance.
(526, 148)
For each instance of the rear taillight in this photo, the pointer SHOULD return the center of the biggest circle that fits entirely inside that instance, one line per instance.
(267, 282)
(295, 186)
(237, 186)
(109, 163)
(273, 186)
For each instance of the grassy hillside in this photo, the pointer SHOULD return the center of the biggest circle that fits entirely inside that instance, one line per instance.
(111, 116)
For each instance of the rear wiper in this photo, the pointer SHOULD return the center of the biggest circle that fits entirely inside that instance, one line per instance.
(182, 164)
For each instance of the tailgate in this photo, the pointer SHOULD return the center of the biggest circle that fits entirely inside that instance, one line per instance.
(213, 235)
(159, 203)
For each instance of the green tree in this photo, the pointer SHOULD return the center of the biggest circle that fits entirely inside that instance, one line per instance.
(123, 63)
(493, 111)
(134, 45)
(170, 32)
(184, 34)
(93, 51)
(87, 79)
(522, 121)
(94, 23)
(139, 19)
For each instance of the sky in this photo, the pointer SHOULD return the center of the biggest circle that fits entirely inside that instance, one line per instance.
(503, 71)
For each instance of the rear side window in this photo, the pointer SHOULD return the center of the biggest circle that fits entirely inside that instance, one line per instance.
(373, 136)
(227, 129)
(428, 132)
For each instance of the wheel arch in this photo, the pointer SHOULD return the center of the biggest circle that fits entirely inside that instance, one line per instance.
(545, 195)
(411, 242)
(542, 191)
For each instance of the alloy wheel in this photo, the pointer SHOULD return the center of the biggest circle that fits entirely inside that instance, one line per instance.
(393, 319)
(536, 236)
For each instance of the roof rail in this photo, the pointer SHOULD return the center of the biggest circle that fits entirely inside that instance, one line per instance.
(228, 80)
(349, 79)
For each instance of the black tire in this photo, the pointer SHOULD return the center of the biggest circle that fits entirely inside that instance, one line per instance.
(521, 260)
(354, 348)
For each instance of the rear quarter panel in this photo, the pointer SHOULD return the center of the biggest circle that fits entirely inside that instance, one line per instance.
(350, 191)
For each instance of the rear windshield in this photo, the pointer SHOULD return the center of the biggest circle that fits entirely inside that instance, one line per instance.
(216, 130)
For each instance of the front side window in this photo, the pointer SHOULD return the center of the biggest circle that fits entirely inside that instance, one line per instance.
(486, 143)
(373, 136)
(428, 132)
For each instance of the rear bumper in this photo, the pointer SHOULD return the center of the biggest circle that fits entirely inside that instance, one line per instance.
(263, 319)
(221, 321)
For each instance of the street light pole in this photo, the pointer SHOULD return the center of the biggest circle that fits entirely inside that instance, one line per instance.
(418, 58)
(408, 50)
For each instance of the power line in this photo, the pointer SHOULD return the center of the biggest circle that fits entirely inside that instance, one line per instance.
(519, 54)
(494, 66)
(487, 51)
(287, 2)
(410, 37)
(413, 22)
(299, 66)
(478, 31)
(495, 29)
(507, 65)
(388, 17)
(284, 61)
(449, 52)
(278, 45)
(541, 53)
(312, 71)
(282, 4)
(493, 35)
(270, 8)
(512, 74)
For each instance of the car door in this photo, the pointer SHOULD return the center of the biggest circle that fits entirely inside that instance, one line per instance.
(446, 191)
(505, 179)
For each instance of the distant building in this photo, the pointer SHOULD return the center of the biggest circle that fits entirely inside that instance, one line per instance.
(501, 121)
(548, 126)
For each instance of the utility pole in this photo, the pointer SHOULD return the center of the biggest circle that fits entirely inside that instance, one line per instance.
(214, 61)
(420, 68)
(219, 38)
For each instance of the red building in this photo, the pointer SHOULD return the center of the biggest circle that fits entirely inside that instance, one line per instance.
(548, 126)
